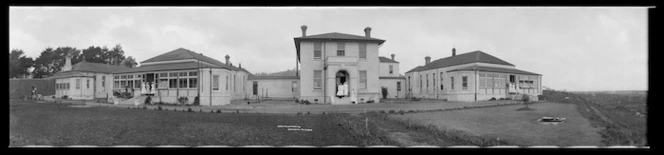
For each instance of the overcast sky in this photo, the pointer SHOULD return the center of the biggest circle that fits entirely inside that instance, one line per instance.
(573, 48)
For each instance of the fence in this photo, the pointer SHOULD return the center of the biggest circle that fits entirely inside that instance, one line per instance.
(23, 87)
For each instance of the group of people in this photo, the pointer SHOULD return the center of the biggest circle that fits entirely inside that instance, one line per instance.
(342, 91)
(147, 88)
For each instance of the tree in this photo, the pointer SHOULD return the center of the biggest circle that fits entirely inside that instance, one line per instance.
(51, 61)
(114, 56)
(19, 64)
(128, 62)
(94, 54)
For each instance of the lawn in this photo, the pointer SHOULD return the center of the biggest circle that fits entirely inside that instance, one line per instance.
(47, 124)
(516, 127)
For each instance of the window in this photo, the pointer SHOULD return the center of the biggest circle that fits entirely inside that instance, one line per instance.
(433, 79)
(116, 77)
(130, 76)
(123, 76)
(398, 85)
(130, 83)
(78, 83)
(226, 82)
(441, 80)
(215, 82)
(103, 81)
(363, 52)
(317, 50)
(183, 73)
(427, 76)
(464, 82)
(163, 75)
(234, 83)
(294, 86)
(163, 83)
(363, 79)
(409, 86)
(123, 84)
(183, 83)
(318, 79)
(452, 82)
(391, 69)
(420, 82)
(172, 83)
(116, 84)
(87, 84)
(174, 74)
(193, 82)
(244, 82)
(137, 83)
(67, 84)
(255, 88)
(341, 49)
(193, 73)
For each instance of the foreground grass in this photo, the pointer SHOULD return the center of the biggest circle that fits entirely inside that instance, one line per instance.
(48, 124)
(620, 125)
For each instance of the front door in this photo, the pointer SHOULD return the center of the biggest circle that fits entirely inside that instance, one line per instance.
(255, 88)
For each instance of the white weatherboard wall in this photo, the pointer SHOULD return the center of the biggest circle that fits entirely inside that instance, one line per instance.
(391, 85)
(276, 88)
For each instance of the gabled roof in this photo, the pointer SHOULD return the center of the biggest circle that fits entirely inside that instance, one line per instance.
(167, 67)
(334, 36)
(387, 60)
(494, 69)
(465, 58)
(182, 54)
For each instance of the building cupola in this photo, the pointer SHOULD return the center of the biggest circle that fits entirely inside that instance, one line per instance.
(367, 32)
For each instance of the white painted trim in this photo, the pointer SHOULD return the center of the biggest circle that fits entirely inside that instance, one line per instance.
(176, 61)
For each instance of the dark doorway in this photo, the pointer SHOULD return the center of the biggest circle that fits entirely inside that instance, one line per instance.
(342, 77)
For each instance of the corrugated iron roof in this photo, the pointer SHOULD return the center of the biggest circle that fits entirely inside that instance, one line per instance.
(465, 58)
(494, 69)
(167, 67)
(96, 67)
(182, 54)
(273, 78)
(387, 60)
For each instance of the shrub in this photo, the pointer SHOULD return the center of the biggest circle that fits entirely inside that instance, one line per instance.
(306, 102)
(297, 101)
(196, 101)
(391, 111)
(159, 108)
(218, 110)
(384, 92)
(183, 100)
(308, 113)
(145, 107)
(414, 99)
(411, 111)
(370, 101)
(237, 111)
(299, 113)
(65, 97)
(189, 110)
(382, 111)
(401, 112)
(492, 99)
(148, 100)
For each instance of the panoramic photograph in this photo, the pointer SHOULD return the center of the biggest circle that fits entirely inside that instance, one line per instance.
(442, 77)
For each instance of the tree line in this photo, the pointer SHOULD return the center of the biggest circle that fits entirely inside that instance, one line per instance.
(51, 60)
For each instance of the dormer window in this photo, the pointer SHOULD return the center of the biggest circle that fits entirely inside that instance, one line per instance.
(341, 49)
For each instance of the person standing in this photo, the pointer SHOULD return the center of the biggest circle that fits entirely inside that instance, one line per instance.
(34, 92)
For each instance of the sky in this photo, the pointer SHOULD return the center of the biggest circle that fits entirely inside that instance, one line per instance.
(575, 48)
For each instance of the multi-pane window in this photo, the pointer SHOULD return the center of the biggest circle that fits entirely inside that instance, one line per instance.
(427, 76)
(294, 86)
(226, 82)
(341, 49)
(163, 83)
(78, 83)
(173, 74)
(193, 73)
(215, 82)
(137, 83)
(317, 50)
(103, 81)
(464, 82)
(130, 83)
(172, 83)
(183, 83)
(433, 79)
(391, 69)
(318, 79)
(87, 84)
(193, 82)
(363, 79)
(116, 84)
(420, 82)
(363, 52)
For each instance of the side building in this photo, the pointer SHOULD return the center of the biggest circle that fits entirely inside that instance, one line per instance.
(472, 76)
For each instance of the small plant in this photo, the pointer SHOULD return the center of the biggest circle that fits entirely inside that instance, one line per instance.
(306, 102)
(189, 110)
(370, 101)
(65, 97)
(414, 99)
(297, 101)
(384, 92)
(411, 111)
(308, 113)
(401, 112)
(391, 112)
(196, 101)
(183, 100)
(492, 99)
(159, 108)
(148, 100)
(382, 111)
(218, 110)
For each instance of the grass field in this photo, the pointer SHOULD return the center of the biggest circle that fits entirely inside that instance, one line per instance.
(516, 127)
(59, 124)
(622, 116)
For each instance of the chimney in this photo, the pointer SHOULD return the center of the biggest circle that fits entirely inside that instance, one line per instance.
(67, 65)
(304, 30)
(367, 32)
(392, 56)
(239, 65)
(427, 59)
(228, 60)
(453, 51)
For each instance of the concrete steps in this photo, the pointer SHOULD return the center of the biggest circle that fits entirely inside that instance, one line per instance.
(132, 101)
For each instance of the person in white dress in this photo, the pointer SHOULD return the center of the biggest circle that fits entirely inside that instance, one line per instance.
(340, 90)
(152, 89)
(346, 92)
(143, 91)
(353, 96)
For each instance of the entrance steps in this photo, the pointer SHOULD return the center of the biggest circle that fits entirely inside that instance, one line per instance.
(343, 100)
(132, 101)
